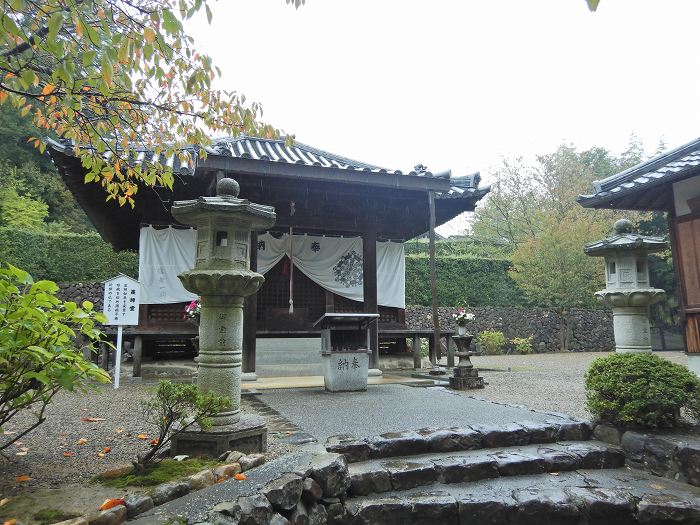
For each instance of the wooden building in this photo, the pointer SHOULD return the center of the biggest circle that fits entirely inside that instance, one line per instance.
(313, 192)
(670, 183)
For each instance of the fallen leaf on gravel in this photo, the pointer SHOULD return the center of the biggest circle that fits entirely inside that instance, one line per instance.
(107, 450)
(240, 477)
(153, 442)
(68, 454)
(92, 419)
(8, 432)
(100, 454)
(10, 522)
(119, 430)
(81, 441)
(110, 503)
(22, 478)
(4, 501)
(142, 436)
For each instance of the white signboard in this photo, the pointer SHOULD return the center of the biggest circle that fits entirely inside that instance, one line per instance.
(121, 301)
(121, 307)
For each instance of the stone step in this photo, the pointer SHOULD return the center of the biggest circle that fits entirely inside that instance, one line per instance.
(592, 497)
(454, 439)
(407, 472)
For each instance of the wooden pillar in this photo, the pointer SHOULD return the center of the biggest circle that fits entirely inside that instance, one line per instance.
(450, 351)
(250, 314)
(417, 361)
(433, 277)
(138, 354)
(369, 286)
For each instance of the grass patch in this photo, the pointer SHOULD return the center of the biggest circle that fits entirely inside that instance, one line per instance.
(166, 470)
(49, 516)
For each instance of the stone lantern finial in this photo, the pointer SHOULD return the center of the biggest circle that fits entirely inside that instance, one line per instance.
(227, 188)
(622, 226)
(627, 287)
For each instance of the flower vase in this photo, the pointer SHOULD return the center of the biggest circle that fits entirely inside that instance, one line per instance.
(461, 330)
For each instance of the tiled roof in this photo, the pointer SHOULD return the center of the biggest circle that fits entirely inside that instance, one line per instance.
(626, 241)
(276, 150)
(672, 165)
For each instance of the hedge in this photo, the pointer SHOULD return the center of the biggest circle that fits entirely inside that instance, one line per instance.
(476, 281)
(64, 257)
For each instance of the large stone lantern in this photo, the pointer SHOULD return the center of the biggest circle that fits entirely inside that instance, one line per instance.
(627, 288)
(222, 278)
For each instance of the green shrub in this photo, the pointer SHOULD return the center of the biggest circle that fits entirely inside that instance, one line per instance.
(492, 341)
(522, 345)
(640, 389)
(38, 352)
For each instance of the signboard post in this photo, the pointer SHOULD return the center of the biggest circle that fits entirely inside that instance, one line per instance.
(121, 307)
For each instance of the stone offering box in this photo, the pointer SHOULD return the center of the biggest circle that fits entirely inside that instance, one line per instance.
(344, 352)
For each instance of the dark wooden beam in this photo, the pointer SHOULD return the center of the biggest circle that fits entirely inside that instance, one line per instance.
(250, 321)
(319, 173)
(369, 287)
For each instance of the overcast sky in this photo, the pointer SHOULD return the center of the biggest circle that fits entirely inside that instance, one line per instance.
(458, 84)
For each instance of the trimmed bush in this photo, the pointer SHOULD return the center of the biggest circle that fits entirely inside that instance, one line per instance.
(493, 341)
(641, 389)
(522, 345)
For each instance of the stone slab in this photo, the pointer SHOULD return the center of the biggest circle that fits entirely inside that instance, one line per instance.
(249, 435)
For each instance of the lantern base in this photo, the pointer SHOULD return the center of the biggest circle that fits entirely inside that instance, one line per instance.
(249, 435)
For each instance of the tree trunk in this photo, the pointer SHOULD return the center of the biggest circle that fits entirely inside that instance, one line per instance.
(564, 329)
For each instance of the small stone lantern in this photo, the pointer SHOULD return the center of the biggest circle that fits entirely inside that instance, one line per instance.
(222, 278)
(627, 288)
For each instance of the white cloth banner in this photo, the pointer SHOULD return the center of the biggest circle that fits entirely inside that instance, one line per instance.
(335, 263)
(163, 254)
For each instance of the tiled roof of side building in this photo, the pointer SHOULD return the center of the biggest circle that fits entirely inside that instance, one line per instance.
(667, 167)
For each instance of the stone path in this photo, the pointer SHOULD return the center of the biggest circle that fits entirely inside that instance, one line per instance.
(388, 408)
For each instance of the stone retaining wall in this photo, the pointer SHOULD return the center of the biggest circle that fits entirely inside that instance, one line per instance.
(591, 330)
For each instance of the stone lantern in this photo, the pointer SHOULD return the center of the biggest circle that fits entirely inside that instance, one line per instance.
(222, 278)
(627, 288)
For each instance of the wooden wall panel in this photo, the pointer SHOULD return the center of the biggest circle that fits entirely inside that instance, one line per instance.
(692, 333)
(687, 239)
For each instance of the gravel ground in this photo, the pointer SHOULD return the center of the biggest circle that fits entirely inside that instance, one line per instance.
(44, 461)
(543, 381)
(387, 408)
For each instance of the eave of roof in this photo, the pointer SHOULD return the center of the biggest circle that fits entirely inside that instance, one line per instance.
(668, 167)
(274, 157)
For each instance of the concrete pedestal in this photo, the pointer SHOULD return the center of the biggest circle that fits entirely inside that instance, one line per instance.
(248, 435)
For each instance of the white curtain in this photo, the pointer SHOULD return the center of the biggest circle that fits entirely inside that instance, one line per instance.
(162, 255)
(335, 263)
